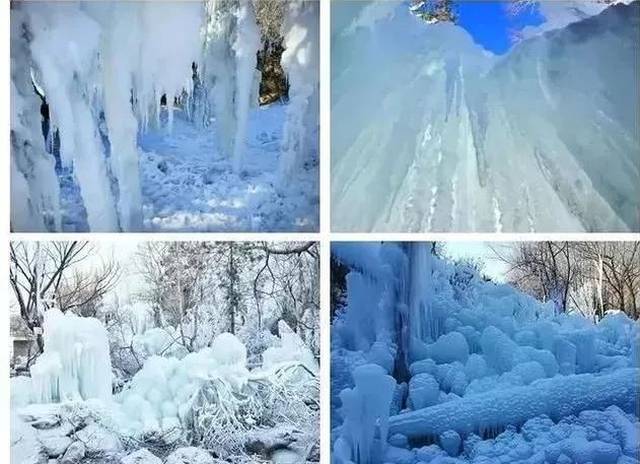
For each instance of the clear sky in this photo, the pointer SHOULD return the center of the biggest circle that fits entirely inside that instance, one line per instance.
(491, 26)
(493, 267)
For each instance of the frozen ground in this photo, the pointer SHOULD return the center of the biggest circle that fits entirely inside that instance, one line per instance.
(430, 132)
(432, 364)
(189, 185)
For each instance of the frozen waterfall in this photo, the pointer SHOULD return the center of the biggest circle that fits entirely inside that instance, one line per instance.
(430, 132)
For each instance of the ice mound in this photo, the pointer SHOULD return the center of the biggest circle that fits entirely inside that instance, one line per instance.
(290, 349)
(469, 358)
(161, 396)
(75, 364)
(432, 133)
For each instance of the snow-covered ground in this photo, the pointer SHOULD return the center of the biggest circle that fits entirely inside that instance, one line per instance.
(432, 364)
(431, 132)
(189, 185)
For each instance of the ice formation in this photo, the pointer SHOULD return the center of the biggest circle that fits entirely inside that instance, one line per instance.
(430, 132)
(75, 364)
(301, 61)
(106, 74)
(102, 63)
(478, 372)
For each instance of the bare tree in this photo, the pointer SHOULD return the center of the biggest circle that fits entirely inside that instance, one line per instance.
(545, 269)
(39, 275)
(616, 274)
(227, 286)
(589, 277)
(83, 291)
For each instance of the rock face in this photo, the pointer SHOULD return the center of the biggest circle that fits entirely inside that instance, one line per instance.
(74, 454)
(190, 455)
(142, 456)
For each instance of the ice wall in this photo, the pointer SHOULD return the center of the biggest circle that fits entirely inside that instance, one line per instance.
(76, 363)
(431, 132)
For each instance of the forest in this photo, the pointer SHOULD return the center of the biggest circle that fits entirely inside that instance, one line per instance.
(165, 350)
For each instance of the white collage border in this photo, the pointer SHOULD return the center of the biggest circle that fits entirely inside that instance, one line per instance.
(324, 236)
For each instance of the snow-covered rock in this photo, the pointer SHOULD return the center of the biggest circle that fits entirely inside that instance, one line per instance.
(25, 446)
(75, 453)
(424, 391)
(141, 456)
(265, 441)
(450, 442)
(98, 440)
(190, 455)
(54, 445)
(41, 416)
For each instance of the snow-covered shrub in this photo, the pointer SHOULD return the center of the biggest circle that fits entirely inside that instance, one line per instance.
(212, 399)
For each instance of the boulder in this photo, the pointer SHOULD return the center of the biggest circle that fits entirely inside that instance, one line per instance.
(265, 441)
(190, 455)
(141, 456)
(74, 454)
(99, 440)
(54, 445)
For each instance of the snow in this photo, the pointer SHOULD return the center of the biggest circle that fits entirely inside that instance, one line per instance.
(75, 364)
(290, 349)
(188, 183)
(189, 455)
(416, 105)
(141, 456)
(493, 375)
(125, 162)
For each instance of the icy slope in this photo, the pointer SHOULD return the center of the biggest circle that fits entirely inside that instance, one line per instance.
(479, 372)
(431, 132)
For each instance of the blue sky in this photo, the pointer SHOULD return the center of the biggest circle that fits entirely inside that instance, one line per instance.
(490, 25)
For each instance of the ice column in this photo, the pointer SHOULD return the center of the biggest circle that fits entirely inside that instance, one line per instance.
(245, 47)
(300, 61)
(76, 364)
